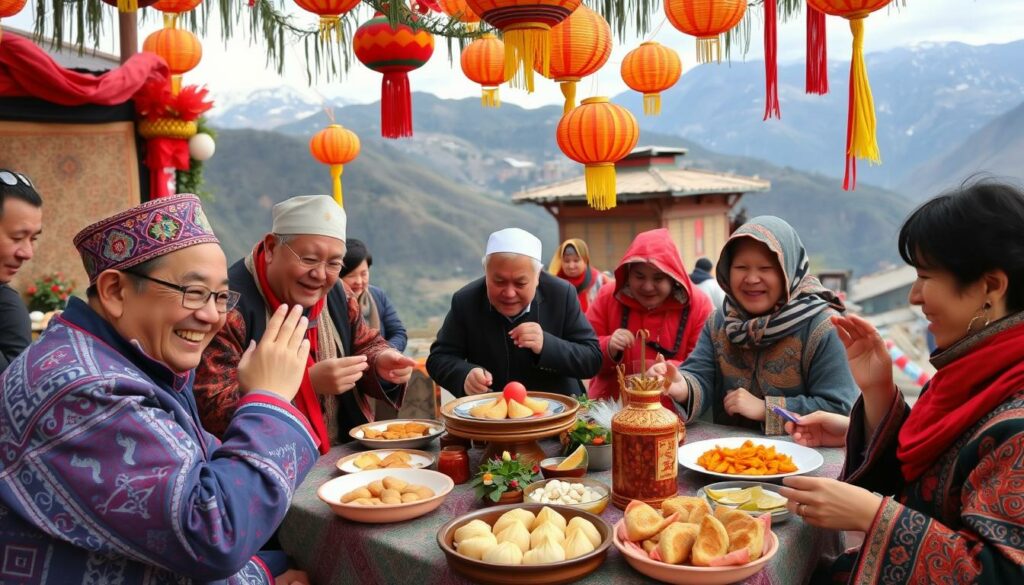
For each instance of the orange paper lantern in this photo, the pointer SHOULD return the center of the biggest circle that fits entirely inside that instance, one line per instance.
(705, 19)
(526, 32)
(483, 62)
(861, 141)
(10, 8)
(180, 48)
(580, 45)
(650, 69)
(335, 146)
(598, 134)
(330, 12)
(460, 11)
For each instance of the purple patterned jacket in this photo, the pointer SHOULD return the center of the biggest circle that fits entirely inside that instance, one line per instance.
(106, 475)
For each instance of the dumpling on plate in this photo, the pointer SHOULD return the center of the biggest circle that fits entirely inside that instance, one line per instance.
(506, 553)
(517, 514)
(549, 551)
(691, 509)
(676, 542)
(712, 542)
(477, 546)
(584, 525)
(643, 521)
(475, 528)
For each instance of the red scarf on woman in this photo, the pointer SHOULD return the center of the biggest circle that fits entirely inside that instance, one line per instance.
(581, 284)
(306, 400)
(959, 395)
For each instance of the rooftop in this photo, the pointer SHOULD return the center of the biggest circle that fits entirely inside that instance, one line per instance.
(879, 283)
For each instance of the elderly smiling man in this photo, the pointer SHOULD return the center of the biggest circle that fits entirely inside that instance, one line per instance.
(106, 475)
(299, 263)
(516, 323)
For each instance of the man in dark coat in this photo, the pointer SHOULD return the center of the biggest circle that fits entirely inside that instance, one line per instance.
(21, 222)
(514, 324)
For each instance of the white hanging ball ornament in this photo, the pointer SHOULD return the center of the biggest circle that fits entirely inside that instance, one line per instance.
(201, 146)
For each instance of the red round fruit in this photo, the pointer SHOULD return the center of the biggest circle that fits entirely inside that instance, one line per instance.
(514, 391)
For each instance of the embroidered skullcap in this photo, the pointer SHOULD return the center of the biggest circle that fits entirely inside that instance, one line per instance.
(316, 215)
(514, 241)
(144, 232)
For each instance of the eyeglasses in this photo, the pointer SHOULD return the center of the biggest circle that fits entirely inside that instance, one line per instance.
(330, 266)
(12, 179)
(196, 296)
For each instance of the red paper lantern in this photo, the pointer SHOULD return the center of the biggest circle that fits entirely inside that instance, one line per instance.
(10, 8)
(483, 62)
(598, 133)
(129, 5)
(175, 6)
(526, 32)
(335, 146)
(861, 141)
(580, 45)
(705, 19)
(180, 48)
(651, 69)
(393, 51)
(460, 11)
(330, 12)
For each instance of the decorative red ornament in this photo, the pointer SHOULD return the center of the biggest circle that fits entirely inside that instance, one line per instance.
(330, 12)
(393, 51)
(460, 11)
(10, 8)
(526, 32)
(483, 62)
(706, 20)
(861, 141)
(771, 61)
(335, 146)
(816, 81)
(129, 5)
(598, 133)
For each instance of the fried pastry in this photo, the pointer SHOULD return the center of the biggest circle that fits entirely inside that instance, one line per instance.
(691, 509)
(643, 521)
(676, 542)
(712, 542)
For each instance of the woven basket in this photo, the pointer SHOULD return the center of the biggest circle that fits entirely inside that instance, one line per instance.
(167, 128)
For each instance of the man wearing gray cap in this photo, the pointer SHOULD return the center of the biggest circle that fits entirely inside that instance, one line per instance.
(298, 263)
(514, 324)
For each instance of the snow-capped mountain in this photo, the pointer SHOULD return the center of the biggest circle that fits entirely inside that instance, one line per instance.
(266, 108)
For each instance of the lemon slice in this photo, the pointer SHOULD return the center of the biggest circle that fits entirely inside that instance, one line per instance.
(770, 502)
(750, 506)
(732, 497)
(577, 459)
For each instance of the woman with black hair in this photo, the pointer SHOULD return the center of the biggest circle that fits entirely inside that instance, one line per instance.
(378, 311)
(952, 468)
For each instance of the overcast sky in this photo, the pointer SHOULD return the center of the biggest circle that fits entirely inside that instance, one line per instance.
(241, 67)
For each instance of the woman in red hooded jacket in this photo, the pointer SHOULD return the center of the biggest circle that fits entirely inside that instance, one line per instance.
(652, 292)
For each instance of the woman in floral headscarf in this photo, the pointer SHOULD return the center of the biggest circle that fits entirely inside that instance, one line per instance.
(773, 345)
(571, 262)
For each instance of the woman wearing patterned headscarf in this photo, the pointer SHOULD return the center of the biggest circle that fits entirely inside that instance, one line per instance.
(773, 344)
(571, 262)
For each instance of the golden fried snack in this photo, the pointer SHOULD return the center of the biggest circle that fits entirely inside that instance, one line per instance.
(676, 542)
(712, 542)
(371, 433)
(365, 460)
(691, 509)
(748, 459)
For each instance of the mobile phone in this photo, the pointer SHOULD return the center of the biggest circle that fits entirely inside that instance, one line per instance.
(786, 415)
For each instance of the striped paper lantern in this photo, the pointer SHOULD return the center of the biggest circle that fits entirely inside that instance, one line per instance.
(580, 45)
(179, 48)
(651, 69)
(335, 146)
(706, 20)
(483, 62)
(330, 12)
(598, 134)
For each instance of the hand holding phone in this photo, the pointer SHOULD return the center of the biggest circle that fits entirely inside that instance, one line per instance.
(785, 415)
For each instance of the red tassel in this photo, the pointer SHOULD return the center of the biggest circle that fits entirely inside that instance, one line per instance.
(395, 106)
(850, 176)
(817, 52)
(771, 59)
(164, 153)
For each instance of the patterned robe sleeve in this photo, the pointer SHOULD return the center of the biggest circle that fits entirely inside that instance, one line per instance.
(905, 546)
(871, 462)
(368, 341)
(216, 386)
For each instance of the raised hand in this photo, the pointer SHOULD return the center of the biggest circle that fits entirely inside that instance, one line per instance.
(869, 361)
(529, 336)
(478, 381)
(619, 341)
(276, 364)
(338, 375)
(394, 367)
(820, 429)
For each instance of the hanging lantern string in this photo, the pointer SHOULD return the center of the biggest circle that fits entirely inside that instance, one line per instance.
(657, 29)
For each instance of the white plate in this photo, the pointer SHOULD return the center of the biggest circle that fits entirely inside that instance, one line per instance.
(436, 429)
(805, 458)
(417, 460)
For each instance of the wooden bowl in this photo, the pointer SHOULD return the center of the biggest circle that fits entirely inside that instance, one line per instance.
(546, 574)
(436, 429)
(332, 491)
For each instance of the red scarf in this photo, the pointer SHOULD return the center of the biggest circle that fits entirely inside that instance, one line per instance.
(581, 285)
(306, 400)
(959, 395)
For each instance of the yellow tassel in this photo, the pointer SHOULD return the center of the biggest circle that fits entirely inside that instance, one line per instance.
(171, 20)
(490, 98)
(600, 179)
(522, 43)
(336, 177)
(569, 91)
(863, 143)
(652, 104)
(328, 25)
(472, 26)
(127, 5)
(709, 49)
(175, 84)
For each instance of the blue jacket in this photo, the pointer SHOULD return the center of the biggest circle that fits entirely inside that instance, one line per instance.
(391, 327)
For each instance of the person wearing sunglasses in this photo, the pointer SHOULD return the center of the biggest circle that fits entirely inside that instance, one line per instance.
(107, 474)
(299, 263)
(21, 223)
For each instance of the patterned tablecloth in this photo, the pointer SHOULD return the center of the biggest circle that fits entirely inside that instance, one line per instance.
(335, 551)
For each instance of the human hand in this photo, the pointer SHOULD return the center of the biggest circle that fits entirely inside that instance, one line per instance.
(337, 375)
(477, 382)
(619, 341)
(292, 577)
(276, 364)
(820, 429)
(830, 503)
(529, 336)
(743, 403)
(394, 367)
(869, 360)
(668, 373)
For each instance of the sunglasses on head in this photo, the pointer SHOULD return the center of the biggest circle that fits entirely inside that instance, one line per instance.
(12, 178)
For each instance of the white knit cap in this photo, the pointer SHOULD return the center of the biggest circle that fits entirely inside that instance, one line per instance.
(315, 215)
(514, 241)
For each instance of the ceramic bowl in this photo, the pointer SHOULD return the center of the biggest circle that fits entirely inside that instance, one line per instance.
(332, 491)
(547, 469)
(547, 574)
(358, 433)
(688, 574)
(594, 507)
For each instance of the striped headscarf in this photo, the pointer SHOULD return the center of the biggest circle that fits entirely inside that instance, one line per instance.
(803, 297)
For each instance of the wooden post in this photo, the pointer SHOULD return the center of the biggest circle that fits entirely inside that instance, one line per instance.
(128, 32)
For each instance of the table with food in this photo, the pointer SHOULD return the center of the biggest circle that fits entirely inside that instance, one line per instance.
(531, 487)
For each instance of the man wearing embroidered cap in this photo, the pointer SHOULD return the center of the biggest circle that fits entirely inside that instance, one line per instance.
(514, 324)
(106, 474)
(299, 263)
